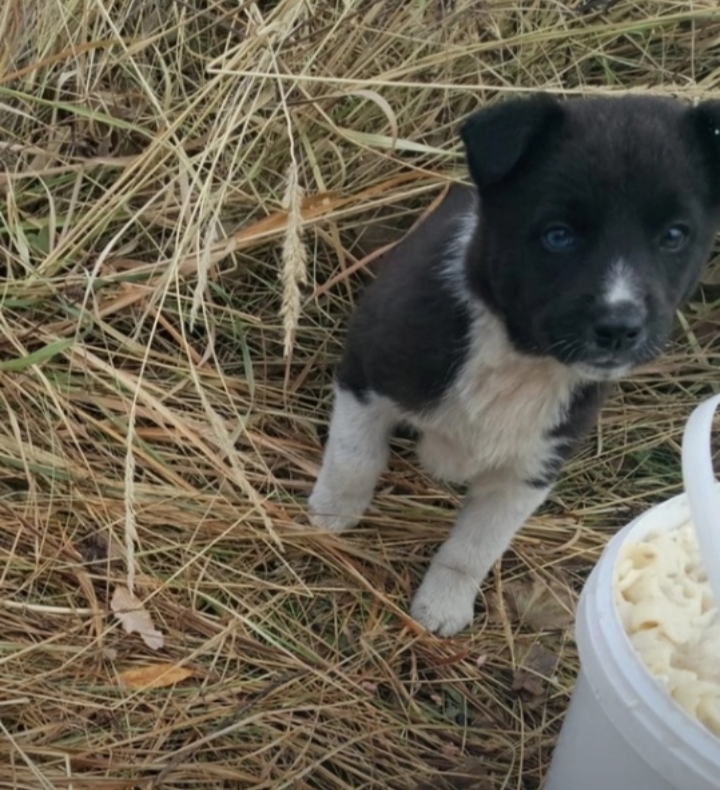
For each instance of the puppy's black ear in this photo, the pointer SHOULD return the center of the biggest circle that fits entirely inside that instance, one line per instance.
(706, 124)
(496, 138)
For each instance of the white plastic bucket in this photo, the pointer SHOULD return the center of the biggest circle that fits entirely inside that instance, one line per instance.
(622, 730)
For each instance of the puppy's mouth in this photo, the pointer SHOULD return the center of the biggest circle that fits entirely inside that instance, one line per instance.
(603, 370)
(610, 367)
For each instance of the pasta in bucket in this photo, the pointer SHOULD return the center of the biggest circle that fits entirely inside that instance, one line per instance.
(645, 714)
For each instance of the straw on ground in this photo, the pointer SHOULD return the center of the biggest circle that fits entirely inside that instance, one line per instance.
(154, 421)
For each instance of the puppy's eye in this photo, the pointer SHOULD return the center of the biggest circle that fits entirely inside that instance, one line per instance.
(558, 238)
(675, 237)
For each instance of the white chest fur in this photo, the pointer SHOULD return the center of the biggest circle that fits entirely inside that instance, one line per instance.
(498, 413)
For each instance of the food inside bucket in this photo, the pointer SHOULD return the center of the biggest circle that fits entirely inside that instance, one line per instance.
(667, 609)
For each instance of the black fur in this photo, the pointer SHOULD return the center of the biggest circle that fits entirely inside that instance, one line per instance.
(495, 327)
(619, 172)
(408, 336)
(582, 413)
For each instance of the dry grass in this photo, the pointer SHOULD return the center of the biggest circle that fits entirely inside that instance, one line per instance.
(152, 427)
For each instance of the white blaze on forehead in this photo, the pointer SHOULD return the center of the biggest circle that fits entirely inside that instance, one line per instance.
(620, 285)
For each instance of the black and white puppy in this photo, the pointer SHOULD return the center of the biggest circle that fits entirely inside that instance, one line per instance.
(496, 326)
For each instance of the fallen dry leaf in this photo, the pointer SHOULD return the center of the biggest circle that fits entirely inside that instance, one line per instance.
(539, 659)
(155, 676)
(134, 618)
(530, 688)
(537, 666)
(539, 606)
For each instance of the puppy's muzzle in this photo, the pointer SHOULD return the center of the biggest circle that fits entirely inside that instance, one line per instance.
(617, 329)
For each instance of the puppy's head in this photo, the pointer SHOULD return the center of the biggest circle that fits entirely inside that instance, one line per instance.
(596, 218)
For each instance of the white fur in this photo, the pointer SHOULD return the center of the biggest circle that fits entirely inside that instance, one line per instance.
(454, 269)
(594, 373)
(356, 454)
(490, 430)
(497, 413)
(620, 285)
(494, 511)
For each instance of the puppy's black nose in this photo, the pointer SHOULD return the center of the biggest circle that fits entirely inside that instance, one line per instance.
(620, 328)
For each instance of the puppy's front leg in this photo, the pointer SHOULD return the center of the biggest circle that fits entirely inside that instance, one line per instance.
(356, 453)
(494, 511)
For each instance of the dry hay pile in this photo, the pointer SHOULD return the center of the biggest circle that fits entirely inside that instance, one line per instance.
(153, 433)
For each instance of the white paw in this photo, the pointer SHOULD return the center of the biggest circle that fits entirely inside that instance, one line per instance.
(445, 601)
(335, 515)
